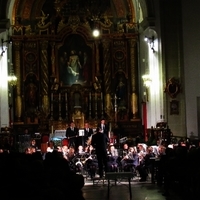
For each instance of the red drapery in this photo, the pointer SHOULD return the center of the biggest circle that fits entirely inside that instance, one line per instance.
(144, 110)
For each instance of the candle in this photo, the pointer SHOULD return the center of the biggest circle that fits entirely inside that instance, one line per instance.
(52, 97)
(90, 96)
(110, 126)
(51, 129)
(66, 96)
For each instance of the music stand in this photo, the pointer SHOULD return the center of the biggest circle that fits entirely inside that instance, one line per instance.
(81, 134)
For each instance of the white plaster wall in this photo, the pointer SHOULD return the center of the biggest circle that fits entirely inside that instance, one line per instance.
(4, 110)
(191, 51)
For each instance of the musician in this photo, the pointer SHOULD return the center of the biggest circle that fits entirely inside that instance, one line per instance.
(125, 150)
(146, 164)
(88, 132)
(103, 126)
(91, 162)
(71, 156)
(71, 135)
(65, 151)
(80, 156)
(112, 158)
(33, 144)
(51, 146)
(131, 161)
(99, 142)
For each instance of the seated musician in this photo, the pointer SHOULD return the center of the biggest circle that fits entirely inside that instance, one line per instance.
(80, 157)
(74, 160)
(80, 150)
(113, 159)
(145, 164)
(141, 152)
(91, 163)
(65, 151)
(33, 144)
(51, 146)
(131, 160)
(71, 158)
(125, 149)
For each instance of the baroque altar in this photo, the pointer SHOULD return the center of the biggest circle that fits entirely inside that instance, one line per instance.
(65, 74)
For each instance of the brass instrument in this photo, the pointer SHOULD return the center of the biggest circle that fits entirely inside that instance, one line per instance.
(127, 156)
(90, 139)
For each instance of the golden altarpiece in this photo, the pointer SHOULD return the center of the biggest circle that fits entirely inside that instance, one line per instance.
(65, 73)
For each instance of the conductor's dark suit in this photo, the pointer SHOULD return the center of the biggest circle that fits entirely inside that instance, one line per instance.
(104, 128)
(99, 142)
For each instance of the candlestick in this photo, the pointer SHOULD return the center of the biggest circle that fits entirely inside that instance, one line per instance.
(51, 129)
(66, 96)
(90, 96)
(52, 97)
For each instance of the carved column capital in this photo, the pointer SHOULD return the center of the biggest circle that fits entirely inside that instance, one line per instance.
(44, 45)
(17, 45)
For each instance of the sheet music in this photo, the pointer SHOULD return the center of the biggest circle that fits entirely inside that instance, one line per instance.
(81, 132)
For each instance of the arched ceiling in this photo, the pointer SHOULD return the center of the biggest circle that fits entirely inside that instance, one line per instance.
(30, 12)
(117, 10)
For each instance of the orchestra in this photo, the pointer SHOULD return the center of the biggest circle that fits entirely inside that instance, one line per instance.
(92, 153)
(95, 152)
(155, 162)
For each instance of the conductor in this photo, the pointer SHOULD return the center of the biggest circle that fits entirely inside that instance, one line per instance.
(99, 142)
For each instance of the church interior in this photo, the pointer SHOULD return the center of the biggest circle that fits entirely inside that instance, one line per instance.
(131, 74)
(133, 63)
(54, 69)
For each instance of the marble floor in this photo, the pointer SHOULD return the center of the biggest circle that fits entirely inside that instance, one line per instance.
(120, 191)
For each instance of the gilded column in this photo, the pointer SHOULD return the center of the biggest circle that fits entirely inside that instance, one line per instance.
(53, 58)
(44, 77)
(134, 95)
(97, 56)
(66, 105)
(107, 78)
(18, 100)
(90, 105)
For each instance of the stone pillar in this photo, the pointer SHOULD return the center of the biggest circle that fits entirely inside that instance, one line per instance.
(97, 56)
(134, 95)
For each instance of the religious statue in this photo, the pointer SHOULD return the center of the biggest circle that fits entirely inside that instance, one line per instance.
(42, 18)
(73, 67)
(121, 98)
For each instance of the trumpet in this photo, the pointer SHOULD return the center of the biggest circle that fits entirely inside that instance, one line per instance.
(89, 158)
(127, 156)
(124, 158)
(90, 139)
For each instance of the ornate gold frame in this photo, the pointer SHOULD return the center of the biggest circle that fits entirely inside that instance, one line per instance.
(172, 87)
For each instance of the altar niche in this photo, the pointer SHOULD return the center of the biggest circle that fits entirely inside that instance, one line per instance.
(75, 61)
